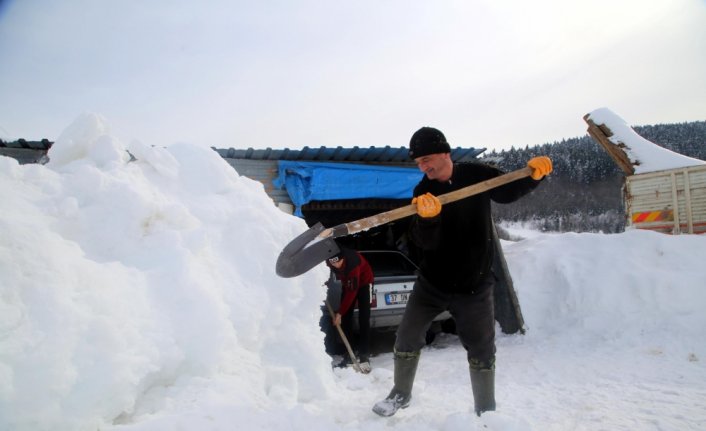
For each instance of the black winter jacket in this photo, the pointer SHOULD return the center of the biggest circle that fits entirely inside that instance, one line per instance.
(456, 246)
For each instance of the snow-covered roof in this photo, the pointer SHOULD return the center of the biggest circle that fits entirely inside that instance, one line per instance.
(643, 155)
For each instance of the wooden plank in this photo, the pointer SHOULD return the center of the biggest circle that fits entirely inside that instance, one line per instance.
(601, 133)
(675, 203)
(687, 199)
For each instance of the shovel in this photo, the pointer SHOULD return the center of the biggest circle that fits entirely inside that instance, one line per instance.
(317, 243)
(354, 360)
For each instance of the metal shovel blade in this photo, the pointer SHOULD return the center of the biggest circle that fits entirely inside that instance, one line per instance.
(296, 258)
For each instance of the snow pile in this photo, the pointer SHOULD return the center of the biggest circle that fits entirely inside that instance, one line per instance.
(128, 285)
(642, 274)
(645, 156)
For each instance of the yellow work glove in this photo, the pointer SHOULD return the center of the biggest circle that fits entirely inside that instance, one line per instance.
(428, 205)
(541, 166)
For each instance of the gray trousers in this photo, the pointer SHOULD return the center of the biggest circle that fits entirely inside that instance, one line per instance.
(473, 313)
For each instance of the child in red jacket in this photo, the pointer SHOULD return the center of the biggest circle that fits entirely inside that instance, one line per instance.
(356, 278)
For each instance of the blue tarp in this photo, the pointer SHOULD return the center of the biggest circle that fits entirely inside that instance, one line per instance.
(317, 181)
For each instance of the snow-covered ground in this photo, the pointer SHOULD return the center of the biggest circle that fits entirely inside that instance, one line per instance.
(141, 295)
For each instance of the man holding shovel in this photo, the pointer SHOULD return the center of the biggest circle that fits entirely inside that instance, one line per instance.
(456, 249)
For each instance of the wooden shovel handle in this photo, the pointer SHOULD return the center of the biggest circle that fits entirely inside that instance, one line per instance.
(408, 210)
(356, 365)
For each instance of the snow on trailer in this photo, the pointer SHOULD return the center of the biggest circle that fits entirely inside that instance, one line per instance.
(664, 191)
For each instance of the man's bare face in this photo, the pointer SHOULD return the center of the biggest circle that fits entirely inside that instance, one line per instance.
(436, 166)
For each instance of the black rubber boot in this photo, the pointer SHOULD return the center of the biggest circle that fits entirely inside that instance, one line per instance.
(401, 394)
(483, 385)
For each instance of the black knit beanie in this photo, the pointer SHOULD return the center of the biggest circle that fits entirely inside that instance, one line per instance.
(428, 140)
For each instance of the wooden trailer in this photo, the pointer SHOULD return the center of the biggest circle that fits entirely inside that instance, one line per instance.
(671, 200)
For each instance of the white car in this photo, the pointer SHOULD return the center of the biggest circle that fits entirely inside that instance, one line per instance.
(394, 276)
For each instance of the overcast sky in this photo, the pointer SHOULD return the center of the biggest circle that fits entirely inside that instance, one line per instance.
(285, 73)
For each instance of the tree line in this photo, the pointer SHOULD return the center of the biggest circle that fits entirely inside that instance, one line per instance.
(584, 193)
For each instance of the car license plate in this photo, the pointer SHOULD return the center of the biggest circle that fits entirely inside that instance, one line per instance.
(396, 298)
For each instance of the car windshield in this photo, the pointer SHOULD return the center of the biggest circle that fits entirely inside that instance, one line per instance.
(388, 264)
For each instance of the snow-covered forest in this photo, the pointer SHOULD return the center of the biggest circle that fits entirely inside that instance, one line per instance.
(583, 194)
